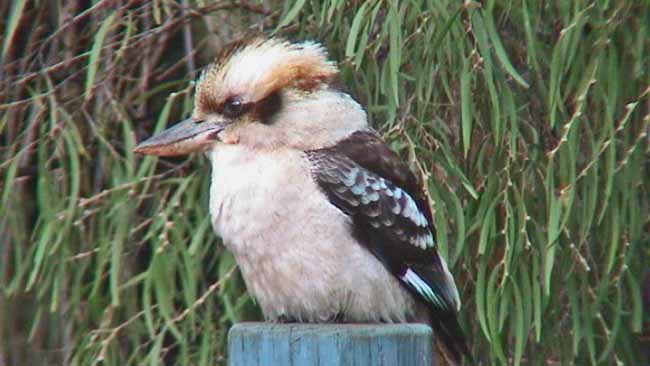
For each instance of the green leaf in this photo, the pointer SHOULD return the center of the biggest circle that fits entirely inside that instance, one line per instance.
(17, 8)
(637, 303)
(394, 53)
(93, 60)
(354, 30)
(466, 105)
(481, 286)
(291, 15)
(500, 51)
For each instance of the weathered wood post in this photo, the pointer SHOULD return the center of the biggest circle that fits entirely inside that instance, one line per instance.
(299, 344)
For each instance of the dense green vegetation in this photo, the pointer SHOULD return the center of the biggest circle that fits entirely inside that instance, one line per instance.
(529, 118)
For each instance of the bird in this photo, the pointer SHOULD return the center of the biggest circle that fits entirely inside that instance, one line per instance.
(325, 221)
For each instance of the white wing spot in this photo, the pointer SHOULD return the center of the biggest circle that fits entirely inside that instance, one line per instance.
(358, 190)
(421, 287)
(369, 197)
(349, 179)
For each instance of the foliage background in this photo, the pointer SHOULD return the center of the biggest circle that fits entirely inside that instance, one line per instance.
(529, 118)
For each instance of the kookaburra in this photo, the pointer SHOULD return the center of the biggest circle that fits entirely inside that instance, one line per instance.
(325, 222)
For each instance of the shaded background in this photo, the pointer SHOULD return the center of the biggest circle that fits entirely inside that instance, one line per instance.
(530, 120)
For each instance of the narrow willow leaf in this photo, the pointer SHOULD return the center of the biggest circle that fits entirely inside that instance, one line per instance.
(492, 300)
(147, 305)
(117, 251)
(205, 355)
(17, 8)
(574, 303)
(394, 53)
(487, 227)
(39, 256)
(589, 314)
(519, 324)
(537, 300)
(532, 46)
(551, 245)
(126, 39)
(156, 11)
(637, 303)
(500, 51)
(610, 157)
(10, 176)
(93, 60)
(466, 106)
(56, 290)
(447, 27)
(38, 314)
(460, 228)
(357, 22)
(198, 237)
(162, 287)
(481, 285)
(155, 353)
(291, 15)
(363, 43)
(555, 79)
(612, 335)
(615, 237)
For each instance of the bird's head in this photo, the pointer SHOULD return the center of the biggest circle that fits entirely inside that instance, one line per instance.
(264, 94)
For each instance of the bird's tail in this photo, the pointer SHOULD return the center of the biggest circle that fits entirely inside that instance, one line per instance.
(449, 334)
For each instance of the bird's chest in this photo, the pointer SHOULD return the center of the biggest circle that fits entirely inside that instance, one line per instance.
(257, 198)
(294, 248)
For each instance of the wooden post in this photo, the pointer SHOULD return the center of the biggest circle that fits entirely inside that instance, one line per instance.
(299, 344)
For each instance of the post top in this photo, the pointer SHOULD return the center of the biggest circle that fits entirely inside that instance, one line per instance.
(306, 344)
(388, 329)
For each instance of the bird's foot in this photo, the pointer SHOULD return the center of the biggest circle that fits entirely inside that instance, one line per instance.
(338, 318)
(283, 319)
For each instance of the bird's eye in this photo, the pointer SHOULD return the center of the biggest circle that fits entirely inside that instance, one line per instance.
(233, 108)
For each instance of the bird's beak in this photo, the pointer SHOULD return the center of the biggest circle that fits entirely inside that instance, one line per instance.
(183, 138)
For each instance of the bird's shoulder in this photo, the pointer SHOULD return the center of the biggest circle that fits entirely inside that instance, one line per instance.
(365, 179)
(368, 150)
(390, 212)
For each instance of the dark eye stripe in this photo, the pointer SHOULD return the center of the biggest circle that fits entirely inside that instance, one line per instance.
(268, 107)
(263, 110)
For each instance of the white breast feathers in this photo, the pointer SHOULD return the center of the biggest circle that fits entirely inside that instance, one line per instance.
(294, 248)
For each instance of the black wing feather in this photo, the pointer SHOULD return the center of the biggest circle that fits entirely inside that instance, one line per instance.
(391, 216)
(386, 219)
